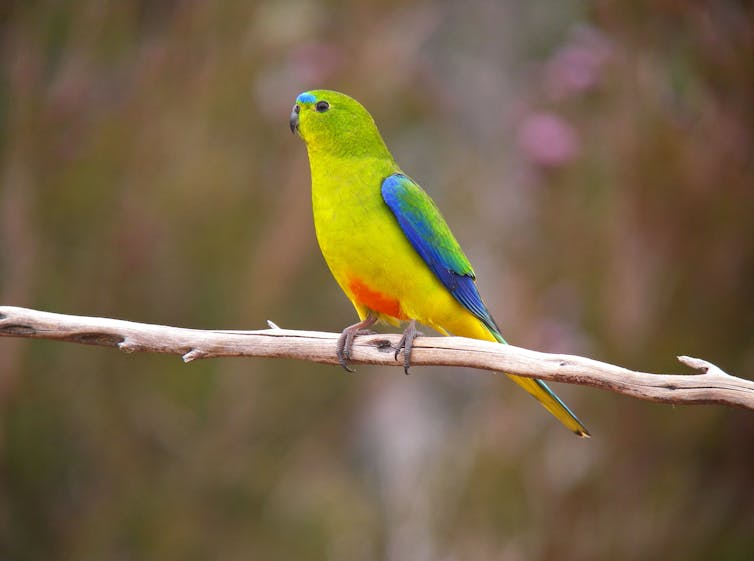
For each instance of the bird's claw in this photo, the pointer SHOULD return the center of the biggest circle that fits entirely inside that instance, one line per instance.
(406, 344)
(346, 339)
(345, 344)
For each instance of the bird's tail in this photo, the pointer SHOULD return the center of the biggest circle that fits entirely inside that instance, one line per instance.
(542, 393)
(538, 389)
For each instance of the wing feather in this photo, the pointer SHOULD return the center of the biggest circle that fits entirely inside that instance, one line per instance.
(429, 234)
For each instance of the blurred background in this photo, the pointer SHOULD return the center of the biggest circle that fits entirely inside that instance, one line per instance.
(596, 162)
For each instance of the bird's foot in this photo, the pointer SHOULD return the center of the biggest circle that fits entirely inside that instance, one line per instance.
(406, 344)
(347, 336)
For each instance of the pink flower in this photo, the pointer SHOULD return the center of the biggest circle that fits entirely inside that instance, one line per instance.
(546, 140)
(576, 67)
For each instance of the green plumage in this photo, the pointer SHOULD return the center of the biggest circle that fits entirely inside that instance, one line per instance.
(383, 237)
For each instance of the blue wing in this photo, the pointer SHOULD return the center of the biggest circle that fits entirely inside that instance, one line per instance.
(429, 234)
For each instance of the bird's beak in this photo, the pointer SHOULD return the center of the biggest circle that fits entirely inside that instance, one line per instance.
(294, 118)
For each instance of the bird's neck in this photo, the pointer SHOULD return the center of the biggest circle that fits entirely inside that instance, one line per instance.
(336, 172)
(346, 143)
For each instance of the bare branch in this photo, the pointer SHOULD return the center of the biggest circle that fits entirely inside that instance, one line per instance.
(711, 386)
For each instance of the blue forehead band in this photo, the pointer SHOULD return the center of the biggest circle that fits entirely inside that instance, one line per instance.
(306, 97)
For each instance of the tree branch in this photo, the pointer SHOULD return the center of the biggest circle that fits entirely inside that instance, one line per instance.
(712, 385)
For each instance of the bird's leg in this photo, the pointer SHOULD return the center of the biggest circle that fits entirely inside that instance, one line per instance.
(407, 343)
(345, 341)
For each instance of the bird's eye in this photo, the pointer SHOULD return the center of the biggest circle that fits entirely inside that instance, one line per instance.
(322, 106)
(297, 109)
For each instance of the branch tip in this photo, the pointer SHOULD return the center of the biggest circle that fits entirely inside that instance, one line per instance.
(703, 366)
(127, 346)
(194, 354)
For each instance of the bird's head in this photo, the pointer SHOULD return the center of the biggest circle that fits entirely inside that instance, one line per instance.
(335, 123)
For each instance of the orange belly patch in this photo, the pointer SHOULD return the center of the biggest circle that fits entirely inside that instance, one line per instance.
(375, 300)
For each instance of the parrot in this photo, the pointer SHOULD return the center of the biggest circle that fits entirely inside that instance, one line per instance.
(385, 241)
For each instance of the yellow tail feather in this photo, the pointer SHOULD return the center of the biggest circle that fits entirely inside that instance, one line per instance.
(539, 390)
(470, 326)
